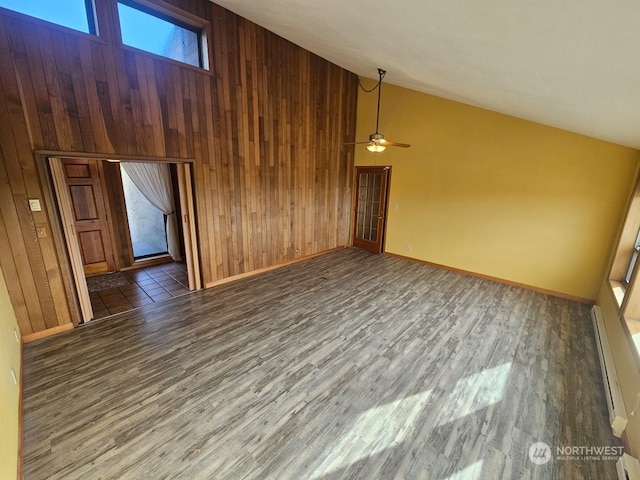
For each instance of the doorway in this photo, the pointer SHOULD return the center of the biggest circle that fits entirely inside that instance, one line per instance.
(372, 185)
(146, 223)
(116, 242)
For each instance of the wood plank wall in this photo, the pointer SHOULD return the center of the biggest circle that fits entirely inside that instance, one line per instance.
(265, 127)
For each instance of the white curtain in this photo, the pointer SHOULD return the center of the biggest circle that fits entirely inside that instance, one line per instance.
(154, 181)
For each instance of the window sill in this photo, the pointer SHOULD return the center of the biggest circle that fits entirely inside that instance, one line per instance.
(618, 290)
(632, 328)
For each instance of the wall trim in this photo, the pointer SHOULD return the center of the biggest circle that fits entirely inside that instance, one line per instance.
(272, 267)
(553, 293)
(32, 337)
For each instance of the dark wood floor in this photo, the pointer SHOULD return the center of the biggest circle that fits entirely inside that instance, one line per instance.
(349, 365)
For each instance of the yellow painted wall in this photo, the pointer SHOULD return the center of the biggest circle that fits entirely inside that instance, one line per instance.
(496, 195)
(627, 370)
(9, 392)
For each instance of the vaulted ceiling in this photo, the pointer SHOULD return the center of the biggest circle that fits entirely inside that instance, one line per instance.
(570, 64)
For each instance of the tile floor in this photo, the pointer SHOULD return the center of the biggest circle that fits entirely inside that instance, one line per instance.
(146, 285)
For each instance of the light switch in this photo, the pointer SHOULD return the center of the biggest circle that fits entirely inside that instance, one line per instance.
(42, 232)
(34, 205)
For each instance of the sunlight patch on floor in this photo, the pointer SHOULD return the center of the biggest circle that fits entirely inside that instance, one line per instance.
(384, 427)
(374, 431)
(472, 472)
(476, 392)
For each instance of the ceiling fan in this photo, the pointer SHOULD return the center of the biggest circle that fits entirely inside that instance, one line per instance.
(377, 143)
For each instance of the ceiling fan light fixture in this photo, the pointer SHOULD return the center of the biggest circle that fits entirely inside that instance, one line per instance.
(377, 143)
(375, 148)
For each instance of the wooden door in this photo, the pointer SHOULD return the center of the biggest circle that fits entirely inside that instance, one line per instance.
(82, 177)
(372, 184)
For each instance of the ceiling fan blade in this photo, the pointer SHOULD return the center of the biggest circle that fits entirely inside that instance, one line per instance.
(387, 143)
(355, 143)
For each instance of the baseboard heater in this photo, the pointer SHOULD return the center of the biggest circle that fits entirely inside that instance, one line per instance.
(628, 468)
(617, 411)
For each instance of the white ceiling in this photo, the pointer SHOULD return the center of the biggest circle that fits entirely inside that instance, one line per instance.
(572, 64)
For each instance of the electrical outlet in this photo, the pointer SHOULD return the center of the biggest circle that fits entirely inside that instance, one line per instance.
(408, 248)
(395, 206)
(13, 375)
(15, 334)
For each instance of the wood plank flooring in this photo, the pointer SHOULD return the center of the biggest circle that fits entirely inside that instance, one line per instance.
(349, 365)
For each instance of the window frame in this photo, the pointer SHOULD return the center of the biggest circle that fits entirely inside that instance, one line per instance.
(624, 275)
(90, 11)
(623, 256)
(177, 17)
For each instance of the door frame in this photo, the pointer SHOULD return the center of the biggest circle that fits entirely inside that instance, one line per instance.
(70, 236)
(60, 216)
(382, 221)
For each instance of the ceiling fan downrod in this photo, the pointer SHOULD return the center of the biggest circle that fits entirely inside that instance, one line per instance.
(381, 74)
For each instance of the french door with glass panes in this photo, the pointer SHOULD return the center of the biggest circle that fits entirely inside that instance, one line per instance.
(372, 185)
